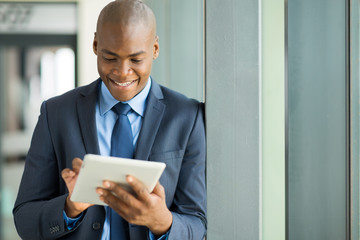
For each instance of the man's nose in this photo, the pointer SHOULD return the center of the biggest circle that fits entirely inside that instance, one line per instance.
(122, 69)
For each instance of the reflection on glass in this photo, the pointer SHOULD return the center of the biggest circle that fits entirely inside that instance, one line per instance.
(57, 72)
(46, 72)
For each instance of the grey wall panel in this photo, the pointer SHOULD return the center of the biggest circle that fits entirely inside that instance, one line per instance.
(180, 29)
(317, 115)
(232, 119)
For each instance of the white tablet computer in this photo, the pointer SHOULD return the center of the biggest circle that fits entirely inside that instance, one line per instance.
(95, 169)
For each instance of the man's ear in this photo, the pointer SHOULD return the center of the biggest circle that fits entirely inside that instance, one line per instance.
(95, 44)
(156, 48)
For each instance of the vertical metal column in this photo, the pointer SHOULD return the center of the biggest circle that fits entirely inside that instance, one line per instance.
(233, 119)
(318, 113)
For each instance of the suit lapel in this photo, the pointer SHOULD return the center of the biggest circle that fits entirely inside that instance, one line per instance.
(86, 114)
(152, 119)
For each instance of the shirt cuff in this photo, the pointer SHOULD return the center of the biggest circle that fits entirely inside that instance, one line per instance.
(163, 237)
(71, 222)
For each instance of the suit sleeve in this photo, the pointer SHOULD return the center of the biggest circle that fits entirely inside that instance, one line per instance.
(189, 208)
(38, 210)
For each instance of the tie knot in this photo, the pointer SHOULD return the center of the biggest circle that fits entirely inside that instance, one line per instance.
(121, 108)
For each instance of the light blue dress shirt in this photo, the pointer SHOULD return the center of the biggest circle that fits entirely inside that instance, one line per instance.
(105, 121)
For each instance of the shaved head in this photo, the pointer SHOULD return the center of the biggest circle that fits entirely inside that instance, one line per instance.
(127, 13)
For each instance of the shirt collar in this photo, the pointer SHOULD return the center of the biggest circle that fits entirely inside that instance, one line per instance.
(137, 103)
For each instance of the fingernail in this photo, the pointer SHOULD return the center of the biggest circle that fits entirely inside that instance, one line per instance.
(130, 179)
(106, 184)
(99, 191)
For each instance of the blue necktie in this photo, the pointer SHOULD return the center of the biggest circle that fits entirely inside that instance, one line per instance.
(121, 146)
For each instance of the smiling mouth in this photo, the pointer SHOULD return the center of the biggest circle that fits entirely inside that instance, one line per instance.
(125, 84)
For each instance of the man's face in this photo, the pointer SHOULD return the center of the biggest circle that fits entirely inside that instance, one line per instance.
(124, 58)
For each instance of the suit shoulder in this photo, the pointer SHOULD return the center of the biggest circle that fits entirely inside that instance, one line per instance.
(71, 96)
(172, 97)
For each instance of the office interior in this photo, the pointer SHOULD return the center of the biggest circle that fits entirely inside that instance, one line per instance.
(280, 82)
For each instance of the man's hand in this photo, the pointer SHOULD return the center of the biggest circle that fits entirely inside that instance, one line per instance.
(73, 209)
(142, 208)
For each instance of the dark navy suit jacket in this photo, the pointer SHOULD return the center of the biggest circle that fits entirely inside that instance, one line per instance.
(172, 132)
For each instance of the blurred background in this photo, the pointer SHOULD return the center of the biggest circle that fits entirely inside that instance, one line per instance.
(38, 48)
(281, 92)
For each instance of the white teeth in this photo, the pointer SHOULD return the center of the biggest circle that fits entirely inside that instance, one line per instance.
(123, 84)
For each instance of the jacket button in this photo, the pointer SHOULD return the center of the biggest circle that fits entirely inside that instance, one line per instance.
(96, 226)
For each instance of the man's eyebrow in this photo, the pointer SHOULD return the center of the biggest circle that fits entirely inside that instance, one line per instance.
(137, 54)
(109, 52)
(116, 55)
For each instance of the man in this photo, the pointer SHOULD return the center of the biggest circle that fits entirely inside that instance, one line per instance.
(165, 126)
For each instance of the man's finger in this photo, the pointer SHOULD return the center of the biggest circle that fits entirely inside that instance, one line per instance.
(120, 193)
(113, 201)
(76, 164)
(139, 188)
(67, 173)
(159, 190)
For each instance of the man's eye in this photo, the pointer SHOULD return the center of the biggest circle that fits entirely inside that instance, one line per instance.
(109, 59)
(136, 60)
